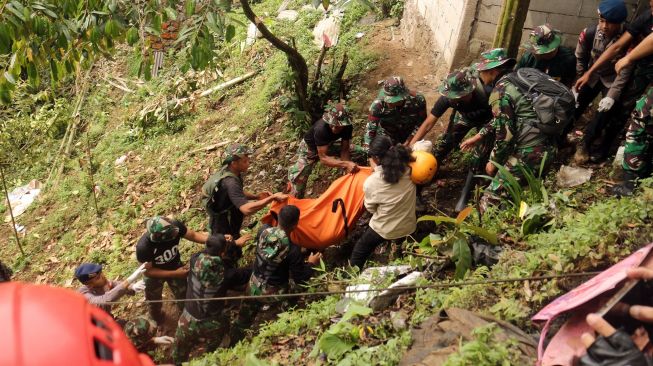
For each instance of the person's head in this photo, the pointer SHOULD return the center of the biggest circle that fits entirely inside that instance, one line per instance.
(140, 331)
(458, 86)
(492, 64)
(90, 274)
(289, 218)
(5, 273)
(161, 229)
(393, 159)
(612, 13)
(216, 245)
(543, 42)
(337, 116)
(393, 91)
(236, 157)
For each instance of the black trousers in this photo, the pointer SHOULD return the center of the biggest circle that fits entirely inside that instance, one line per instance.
(364, 247)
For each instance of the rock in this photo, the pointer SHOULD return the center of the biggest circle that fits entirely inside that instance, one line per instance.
(121, 160)
(289, 15)
(398, 319)
(571, 176)
(252, 34)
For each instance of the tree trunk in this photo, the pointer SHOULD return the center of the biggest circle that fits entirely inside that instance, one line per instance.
(295, 59)
(511, 24)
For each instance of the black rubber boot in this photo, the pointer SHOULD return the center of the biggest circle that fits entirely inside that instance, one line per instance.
(464, 194)
(627, 187)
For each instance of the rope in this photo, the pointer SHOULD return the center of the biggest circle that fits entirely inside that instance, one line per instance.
(341, 292)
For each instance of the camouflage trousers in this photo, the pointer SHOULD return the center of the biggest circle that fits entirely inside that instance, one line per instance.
(457, 129)
(190, 331)
(250, 308)
(530, 158)
(639, 81)
(305, 161)
(639, 137)
(154, 291)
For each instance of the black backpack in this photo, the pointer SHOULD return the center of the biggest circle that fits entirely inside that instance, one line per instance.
(552, 101)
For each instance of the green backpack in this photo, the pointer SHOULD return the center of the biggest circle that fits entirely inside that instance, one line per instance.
(212, 185)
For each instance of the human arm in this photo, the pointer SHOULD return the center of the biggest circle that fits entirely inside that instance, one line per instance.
(180, 272)
(195, 236)
(503, 124)
(345, 150)
(424, 128)
(643, 49)
(582, 54)
(259, 196)
(609, 54)
(371, 130)
(118, 290)
(418, 120)
(253, 207)
(301, 271)
(335, 162)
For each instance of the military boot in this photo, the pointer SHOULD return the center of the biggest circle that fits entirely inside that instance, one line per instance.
(627, 187)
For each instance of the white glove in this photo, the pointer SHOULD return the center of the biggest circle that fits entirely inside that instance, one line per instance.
(139, 271)
(605, 104)
(163, 340)
(138, 286)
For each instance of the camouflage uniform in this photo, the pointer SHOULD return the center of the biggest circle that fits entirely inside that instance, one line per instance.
(399, 122)
(140, 331)
(543, 40)
(517, 141)
(458, 85)
(305, 160)
(272, 249)
(639, 138)
(201, 319)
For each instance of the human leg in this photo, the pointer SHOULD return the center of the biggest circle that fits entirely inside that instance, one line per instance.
(364, 247)
(154, 291)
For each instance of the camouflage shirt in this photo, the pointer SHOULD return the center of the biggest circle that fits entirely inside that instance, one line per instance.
(397, 123)
(205, 280)
(277, 258)
(511, 124)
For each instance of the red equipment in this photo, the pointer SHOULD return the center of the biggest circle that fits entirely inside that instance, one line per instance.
(42, 325)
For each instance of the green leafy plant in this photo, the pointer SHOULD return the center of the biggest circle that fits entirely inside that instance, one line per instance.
(486, 349)
(455, 243)
(342, 336)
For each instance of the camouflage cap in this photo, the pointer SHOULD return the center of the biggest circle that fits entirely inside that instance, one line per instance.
(337, 115)
(140, 331)
(457, 84)
(542, 40)
(234, 150)
(494, 58)
(393, 90)
(161, 229)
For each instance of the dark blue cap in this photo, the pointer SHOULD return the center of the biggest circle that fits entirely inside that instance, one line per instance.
(87, 271)
(614, 11)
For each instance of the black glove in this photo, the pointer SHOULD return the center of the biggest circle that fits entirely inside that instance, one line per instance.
(615, 350)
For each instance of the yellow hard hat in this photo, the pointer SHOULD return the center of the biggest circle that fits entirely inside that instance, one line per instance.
(423, 168)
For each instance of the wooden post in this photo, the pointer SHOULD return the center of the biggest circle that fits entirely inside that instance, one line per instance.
(511, 24)
(11, 212)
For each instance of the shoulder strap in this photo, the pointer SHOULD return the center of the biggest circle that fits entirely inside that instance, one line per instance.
(590, 34)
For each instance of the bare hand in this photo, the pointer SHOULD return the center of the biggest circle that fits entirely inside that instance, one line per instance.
(351, 167)
(470, 142)
(314, 258)
(228, 237)
(623, 62)
(601, 326)
(490, 169)
(243, 240)
(280, 197)
(582, 81)
(264, 194)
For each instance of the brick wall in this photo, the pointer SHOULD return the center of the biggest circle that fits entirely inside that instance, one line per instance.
(458, 30)
(568, 16)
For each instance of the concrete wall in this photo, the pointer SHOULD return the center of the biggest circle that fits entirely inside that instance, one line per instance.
(458, 30)
(439, 25)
